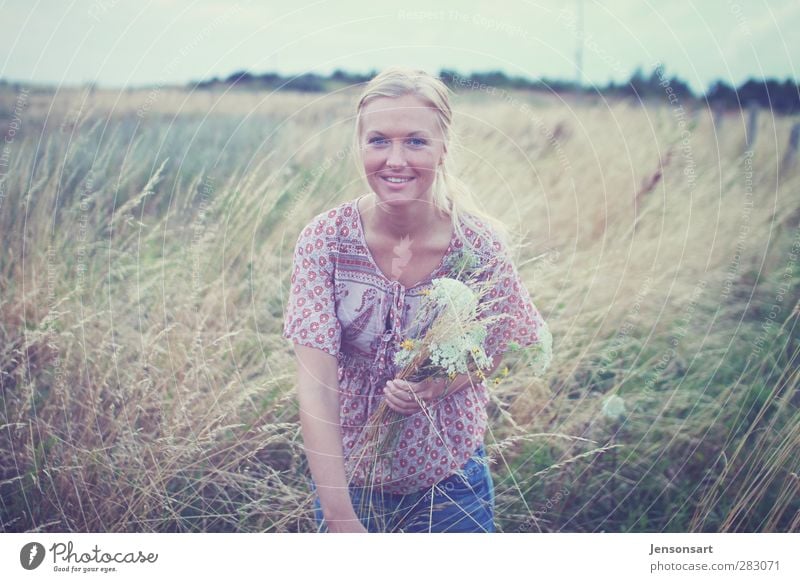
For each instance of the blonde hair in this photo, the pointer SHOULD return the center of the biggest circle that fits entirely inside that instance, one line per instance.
(450, 195)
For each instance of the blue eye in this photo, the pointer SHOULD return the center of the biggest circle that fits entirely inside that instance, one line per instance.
(415, 141)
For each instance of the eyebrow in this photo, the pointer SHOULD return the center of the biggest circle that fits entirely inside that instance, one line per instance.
(409, 135)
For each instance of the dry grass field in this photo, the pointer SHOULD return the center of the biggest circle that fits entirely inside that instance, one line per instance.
(147, 241)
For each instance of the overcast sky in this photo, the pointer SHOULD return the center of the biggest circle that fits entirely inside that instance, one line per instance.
(118, 43)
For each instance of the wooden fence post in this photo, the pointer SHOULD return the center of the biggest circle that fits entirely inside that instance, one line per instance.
(791, 151)
(752, 126)
(717, 113)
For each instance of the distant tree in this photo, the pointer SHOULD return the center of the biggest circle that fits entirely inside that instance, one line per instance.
(754, 92)
(240, 77)
(557, 85)
(655, 86)
(491, 78)
(635, 86)
(340, 76)
(681, 89)
(270, 80)
(205, 84)
(781, 97)
(721, 95)
(610, 90)
(450, 77)
(520, 82)
(787, 97)
(309, 83)
(771, 94)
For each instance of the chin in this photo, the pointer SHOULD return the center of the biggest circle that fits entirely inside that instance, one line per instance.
(383, 195)
(392, 196)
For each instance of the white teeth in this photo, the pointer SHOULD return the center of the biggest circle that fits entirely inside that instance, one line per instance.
(397, 180)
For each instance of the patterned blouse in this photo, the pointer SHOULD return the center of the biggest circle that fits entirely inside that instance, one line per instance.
(342, 303)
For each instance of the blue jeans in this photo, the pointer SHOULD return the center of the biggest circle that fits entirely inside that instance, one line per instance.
(455, 504)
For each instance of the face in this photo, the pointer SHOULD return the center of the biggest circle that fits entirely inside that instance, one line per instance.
(400, 139)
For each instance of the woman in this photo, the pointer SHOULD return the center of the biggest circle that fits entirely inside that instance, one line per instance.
(360, 272)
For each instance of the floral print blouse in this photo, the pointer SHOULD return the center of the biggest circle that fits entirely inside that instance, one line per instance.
(341, 302)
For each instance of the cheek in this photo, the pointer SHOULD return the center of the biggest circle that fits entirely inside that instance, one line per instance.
(426, 169)
(424, 162)
(372, 159)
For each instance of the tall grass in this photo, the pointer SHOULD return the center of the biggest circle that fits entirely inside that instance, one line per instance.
(146, 387)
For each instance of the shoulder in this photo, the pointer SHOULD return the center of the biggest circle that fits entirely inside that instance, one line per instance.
(481, 238)
(337, 220)
(327, 228)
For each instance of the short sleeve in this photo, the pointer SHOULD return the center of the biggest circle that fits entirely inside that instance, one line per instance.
(507, 296)
(310, 318)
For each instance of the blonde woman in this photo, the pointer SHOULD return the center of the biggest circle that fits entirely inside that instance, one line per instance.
(359, 275)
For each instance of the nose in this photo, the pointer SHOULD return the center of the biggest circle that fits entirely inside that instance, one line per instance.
(396, 157)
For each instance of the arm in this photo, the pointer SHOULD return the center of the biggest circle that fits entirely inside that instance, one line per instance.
(318, 396)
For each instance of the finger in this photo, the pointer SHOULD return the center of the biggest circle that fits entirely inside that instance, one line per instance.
(403, 391)
(395, 392)
(413, 390)
(424, 390)
(391, 401)
(408, 387)
(400, 393)
(408, 404)
(400, 409)
(391, 391)
(393, 406)
(398, 404)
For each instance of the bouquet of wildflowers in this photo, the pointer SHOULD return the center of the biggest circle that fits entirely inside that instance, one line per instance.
(451, 345)
(457, 334)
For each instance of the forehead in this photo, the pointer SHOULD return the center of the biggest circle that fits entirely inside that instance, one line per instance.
(401, 115)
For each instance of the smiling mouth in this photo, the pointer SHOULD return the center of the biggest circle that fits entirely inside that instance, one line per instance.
(396, 180)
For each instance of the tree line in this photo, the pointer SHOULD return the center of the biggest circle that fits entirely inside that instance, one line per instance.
(779, 96)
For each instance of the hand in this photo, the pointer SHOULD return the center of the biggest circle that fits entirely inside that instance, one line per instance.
(409, 397)
(347, 525)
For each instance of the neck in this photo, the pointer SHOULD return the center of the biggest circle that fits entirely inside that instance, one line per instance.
(409, 220)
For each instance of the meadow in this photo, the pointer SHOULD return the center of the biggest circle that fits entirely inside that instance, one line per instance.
(147, 240)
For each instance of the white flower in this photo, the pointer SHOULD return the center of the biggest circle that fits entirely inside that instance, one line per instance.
(455, 297)
(404, 357)
(458, 337)
(614, 407)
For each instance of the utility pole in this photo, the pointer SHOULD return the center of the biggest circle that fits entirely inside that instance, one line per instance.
(579, 49)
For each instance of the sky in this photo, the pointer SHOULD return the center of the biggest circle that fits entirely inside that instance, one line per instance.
(132, 43)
